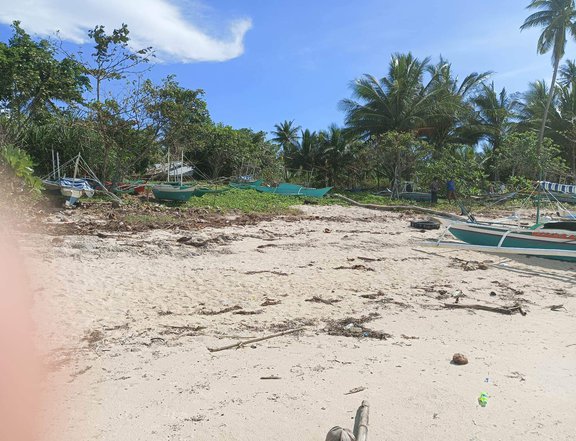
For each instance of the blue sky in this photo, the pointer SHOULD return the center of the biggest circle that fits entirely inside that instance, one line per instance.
(275, 59)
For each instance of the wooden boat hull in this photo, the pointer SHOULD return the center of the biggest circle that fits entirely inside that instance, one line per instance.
(168, 192)
(531, 239)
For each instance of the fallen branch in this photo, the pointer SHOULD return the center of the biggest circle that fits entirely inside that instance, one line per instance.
(254, 340)
(317, 299)
(504, 310)
(401, 208)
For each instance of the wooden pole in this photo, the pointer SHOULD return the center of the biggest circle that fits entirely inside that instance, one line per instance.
(361, 422)
(401, 208)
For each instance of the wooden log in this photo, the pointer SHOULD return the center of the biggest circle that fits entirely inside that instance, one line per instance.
(361, 422)
(505, 310)
(401, 208)
(254, 340)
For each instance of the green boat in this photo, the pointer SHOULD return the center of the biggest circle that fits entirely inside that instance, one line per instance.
(552, 240)
(294, 190)
(173, 191)
(246, 185)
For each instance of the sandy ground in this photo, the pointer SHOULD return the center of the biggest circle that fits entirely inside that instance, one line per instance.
(129, 319)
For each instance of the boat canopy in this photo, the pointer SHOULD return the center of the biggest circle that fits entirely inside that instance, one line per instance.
(559, 188)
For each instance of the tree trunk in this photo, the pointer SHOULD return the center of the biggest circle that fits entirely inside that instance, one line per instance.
(545, 116)
(573, 162)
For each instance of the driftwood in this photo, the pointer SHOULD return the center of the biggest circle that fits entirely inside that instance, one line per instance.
(254, 340)
(361, 422)
(401, 208)
(501, 310)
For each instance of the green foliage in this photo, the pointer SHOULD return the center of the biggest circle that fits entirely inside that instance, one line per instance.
(519, 156)
(462, 164)
(399, 102)
(112, 58)
(397, 156)
(247, 201)
(22, 165)
(33, 81)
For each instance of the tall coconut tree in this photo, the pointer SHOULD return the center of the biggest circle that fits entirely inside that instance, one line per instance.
(337, 152)
(400, 101)
(557, 19)
(453, 98)
(492, 121)
(563, 120)
(286, 134)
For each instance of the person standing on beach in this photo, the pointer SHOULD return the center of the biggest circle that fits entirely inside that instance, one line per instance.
(434, 186)
(451, 188)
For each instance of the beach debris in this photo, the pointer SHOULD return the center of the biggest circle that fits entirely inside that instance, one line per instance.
(355, 390)
(373, 296)
(220, 311)
(271, 377)
(469, 265)
(270, 302)
(255, 340)
(201, 243)
(327, 230)
(517, 375)
(353, 327)
(492, 293)
(508, 310)
(557, 307)
(409, 337)
(483, 399)
(425, 225)
(277, 273)
(459, 359)
(317, 299)
(253, 312)
(371, 259)
(183, 331)
(457, 295)
(355, 267)
(339, 434)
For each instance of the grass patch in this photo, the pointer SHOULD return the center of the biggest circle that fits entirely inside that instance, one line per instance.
(247, 201)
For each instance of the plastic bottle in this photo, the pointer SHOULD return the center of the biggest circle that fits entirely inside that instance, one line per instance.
(483, 399)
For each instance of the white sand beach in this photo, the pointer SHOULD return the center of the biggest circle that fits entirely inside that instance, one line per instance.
(129, 318)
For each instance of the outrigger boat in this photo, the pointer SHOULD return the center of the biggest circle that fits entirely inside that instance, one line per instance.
(551, 240)
(173, 191)
(294, 190)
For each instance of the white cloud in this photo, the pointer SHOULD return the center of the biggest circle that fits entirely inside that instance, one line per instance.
(157, 23)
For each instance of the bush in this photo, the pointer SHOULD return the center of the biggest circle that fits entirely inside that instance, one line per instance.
(22, 165)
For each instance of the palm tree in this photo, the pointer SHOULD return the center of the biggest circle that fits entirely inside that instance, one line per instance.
(454, 98)
(531, 105)
(557, 18)
(400, 101)
(563, 121)
(493, 119)
(337, 152)
(286, 135)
